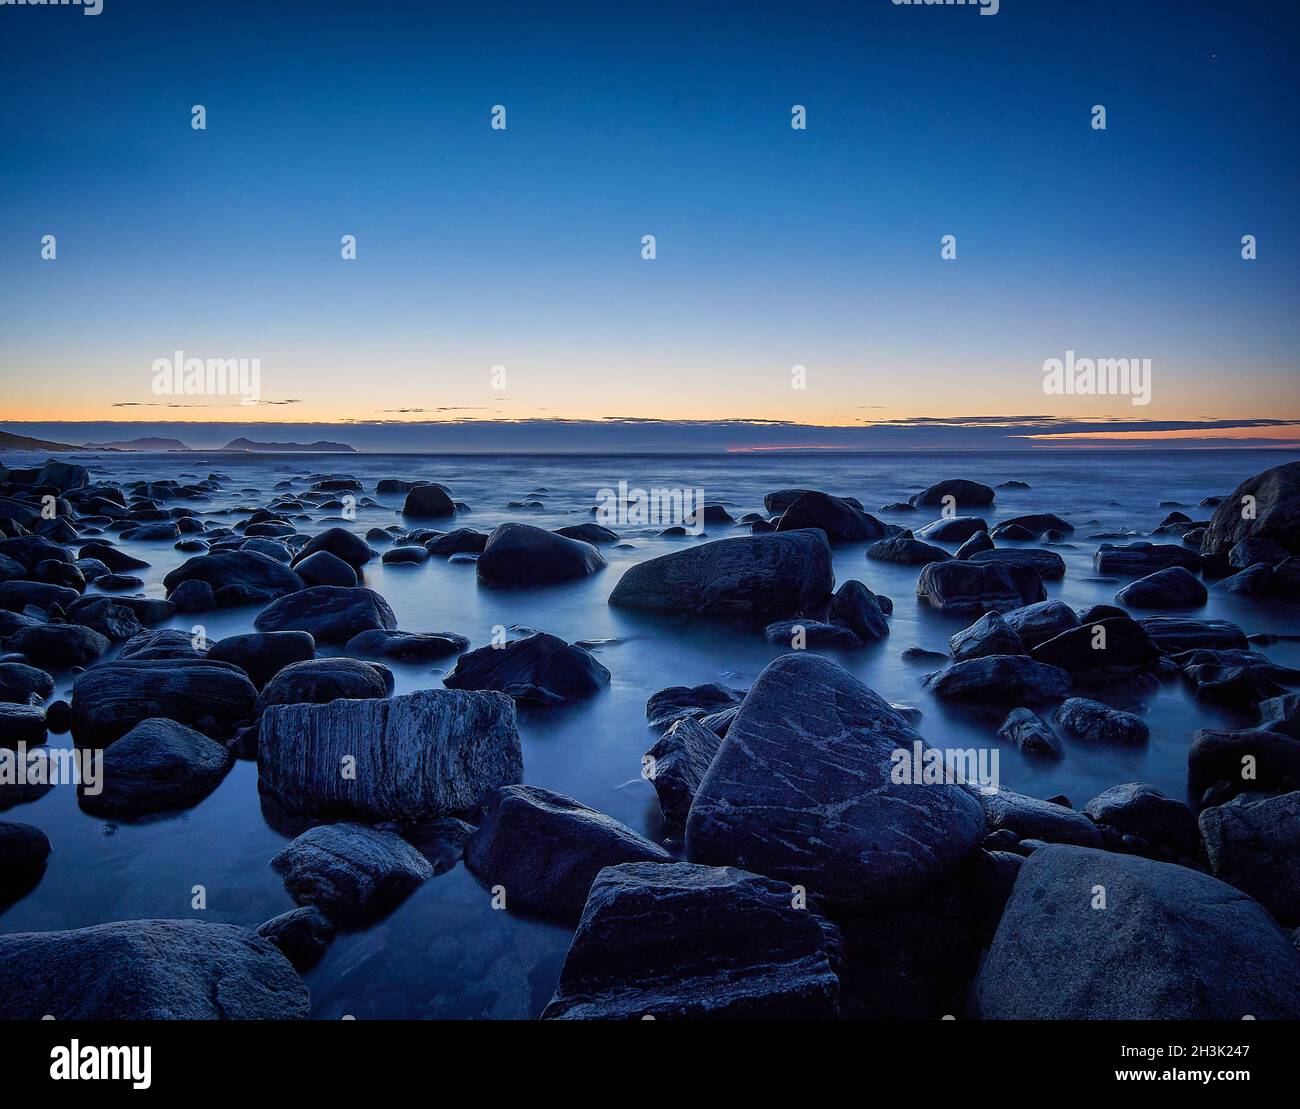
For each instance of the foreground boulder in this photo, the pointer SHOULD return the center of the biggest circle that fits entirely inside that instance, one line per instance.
(801, 789)
(1189, 946)
(1253, 843)
(682, 941)
(1145, 820)
(350, 871)
(676, 766)
(545, 849)
(539, 669)
(1273, 498)
(331, 614)
(419, 757)
(965, 588)
(520, 554)
(157, 766)
(764, 578)
(148, 970)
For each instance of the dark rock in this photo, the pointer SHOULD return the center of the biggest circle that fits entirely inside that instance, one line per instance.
(596, 534)
(1037, 623)
(978, 542)
(1117, 643)
(422, 756)
(1255, 581)
(350, 871)
(58, 646)
(1191, 948)
(157, 766)
(674, 940)
(1030, 818)
(342, 544)
(461, 541)
(407, 645)
(1138, 559)
(989, 635)
(838, 519)
(23, 724)
(114, 558)
(1049, 564)
(23, 851)
(761, 578)
(782, 499)
(109, 619)
(1235, 677)
(540, 669)
(955, 492)
(1175, 634)
(906, 552)
(804, 633)
(801, 789)
(262, 576)
(545, 849)
(972, 589)
(331, 614)
(1249, 760)
(1273, 500)
(193, 596)
(860, 611)
(302, 935)
(319, 681)
(679, 702)
(324, 568)
(1281, 714)
(428, 502)
(953, 529)
(262, 655)
(1135, 809)
(1172, 587)
(1253, 843)
(676, 765)
(16, 596)
(148, 970)
(999, 678)
(1030, 734)
(520, 554)
(58, 717)
(1254, 550)
(1100, 723)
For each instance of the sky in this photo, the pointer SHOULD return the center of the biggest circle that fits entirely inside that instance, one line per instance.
(499, 276)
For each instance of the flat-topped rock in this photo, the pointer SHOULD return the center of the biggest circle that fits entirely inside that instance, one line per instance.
(539, 669)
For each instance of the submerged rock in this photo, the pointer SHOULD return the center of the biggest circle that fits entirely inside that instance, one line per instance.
(540, 669)
(157, 766)
(675, 940)
(520, 554)
(23, 851)
(804, 633)
(406, 645)
(1191, 947)
(954, 529)
(1117, 643)
(545, 849)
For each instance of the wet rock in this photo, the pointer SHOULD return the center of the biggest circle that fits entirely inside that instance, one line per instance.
(16, 596)
(422, 756)
(148, 970)
(1040, 522)
(1015, 533)
(407, 645)
(1253, 550)
(408, 555)
(1243, 678)
(1255, 581)
(989, 635)
(319, 681)
(595, 533)
(262, 655)
(460, 541)
(324, 568)
(679, 701)
(678, 763)
(1091, 720)
(837, 518)
(1037, 623)
(1274, 499)
(58, 646)
(23, 851)
(1218, 955)
(331, 614)
(193, 596)
(1117, 643)
(545, 849)
(1172, 587)
(1135, 809)
(302, 935)
(1175, 634)
(676, 940)
(1031, 734)
(1030, 818)
(1249, 760)
(520, 554)
(256, 575)
(762, 578)
(906, 552)
(350, 871)
(109, 619)
(999, 678)
(972, 589)
(978, 542)
(164, 643)
(955, 492)
(860, 611)
(1049, 564)
(428, 502)
(1139, 559)
(114, 558)
(540, 669)
(801, 790)
(1281, 714)
(953, 529)
(1253, 843)
(342, 544)
(804, 633)
(19, 723)
(157, 766)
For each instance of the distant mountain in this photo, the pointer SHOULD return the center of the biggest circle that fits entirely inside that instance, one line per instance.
(144, 443)
(10, 442)
(320, 445)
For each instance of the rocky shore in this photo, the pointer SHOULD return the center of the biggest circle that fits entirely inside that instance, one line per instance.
(797, 874)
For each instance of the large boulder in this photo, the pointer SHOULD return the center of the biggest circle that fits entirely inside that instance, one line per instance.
(350, 871)
(58, 646)
(989, 635)
(539, 669)
(341, 543)
(319, 681)
(520, 554)
(1266, 506)
(957, 492)
(111, 699)
(157, 766)
(1169, 944)
(428, 502)
(837, 518)
(802, 789)
(148, 970)
(999, 678)
(1049, 564)
(965, 588)
(1253, 842)
(545, 849)
(422, 756)
(249, 575)
(1037, 623)
(763, 578)
(676, 765)
(1138, 559)
(1172, 587)
(683, 941)
(1141, 812)
(262, 655)
(330, 613)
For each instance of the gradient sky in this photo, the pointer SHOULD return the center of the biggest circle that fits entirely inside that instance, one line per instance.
(775, 247)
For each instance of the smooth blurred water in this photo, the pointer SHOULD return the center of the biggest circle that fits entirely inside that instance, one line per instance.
(445, 952)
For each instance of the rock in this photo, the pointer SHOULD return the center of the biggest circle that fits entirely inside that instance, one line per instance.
(1172, 587)
(1135, 809)
(679, 701)
(675, 940)
(1117, 643)
(17, 596)
(978, 542)
(1040, 522)
(408, 555)
(782, 499)
(1138, 559)
(114, 558)
(58, 646)
(801, 790)
(23, 851)
(148, 970)
(1254, 550)
(1100, 723)
(193, 596)
(989, 635)
(462, 541)
(762, 578)
(302, 935)
(1191, 948)
(860, 611)
(678, 763)
(1037, 623)
(350, 871)
(1281, 714)
(1249, 760)
(428, 502)
(596, 534)
(1030, 734)
(157, 766)
(342, 544)
(906, 552)
(1243, 678)
(1016, 533)
(804, 633)
(422, 756)
(999, 678)
(319, 681)
(1253, 843)
(955, 492)
(1175, 634)
(520, 554)
(324, 568)
(954, 529)
(23, 724)
(1255, 581)
(331, 614)
(972, 588)
(262, 655)
(109, 619)
(1030, 818)
(166, 643)
(257, 576)
(380, 643)
(840, 521)
(1049, 564)
(545, 849)
(1274, 500)
(540, 669)
(112, 698)
(19, 682)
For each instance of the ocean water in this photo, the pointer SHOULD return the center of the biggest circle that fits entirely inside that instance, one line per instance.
(445, 952)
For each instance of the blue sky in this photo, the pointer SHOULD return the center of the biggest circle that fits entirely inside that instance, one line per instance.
(776, 247)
